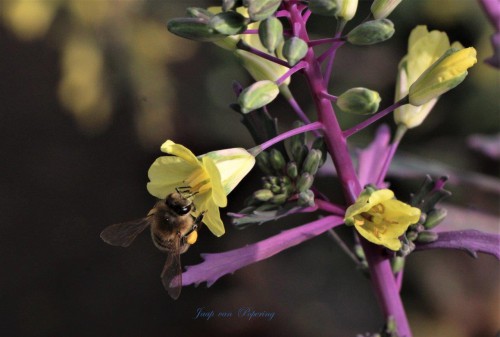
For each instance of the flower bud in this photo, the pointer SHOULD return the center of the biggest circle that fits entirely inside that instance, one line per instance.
(312, 161)
(292, 170)
(299, 152)
(346, 9)
(259, 68)
(229, 4)
(371, 32)
(319, 144)
(383, 8)
(434, 217)
(306, 198)
(304, 182)
(359, 101)
(259, 10)
(193, 29)
(294, 50)
(279, 199)
(263, 195)
(263, 163)
(277, 160)
(258, 95)
(427, 237)
(443, 75)
(324, 7)
(200, 13)
(397, 264)
(228, 23)
(271, 33)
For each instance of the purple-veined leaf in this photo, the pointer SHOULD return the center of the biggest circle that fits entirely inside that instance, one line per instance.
(219, 264)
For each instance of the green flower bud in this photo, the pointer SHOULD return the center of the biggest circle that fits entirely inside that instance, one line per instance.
(359, 101)
(260, 68)
(279, 199)
(427, 237)
(271, 33)
(263, 163)
(258, 95)
(434, 217)
(299, 153)
(259, 10)
(306, 198)
(304, 182)
(300, 139)
(277, 160)
(292, 170)
(371, 32)
(412, 235)
(200, 13)
(294, 50)
(312, 161)
(346, 9)
(228, 23)
(397, 264)
(382, 8)
(263, 195)
(193, 29)
(319, 144)
(230, 4)
(324, 7)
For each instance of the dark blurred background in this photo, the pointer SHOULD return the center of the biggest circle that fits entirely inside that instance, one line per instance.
(91, 89)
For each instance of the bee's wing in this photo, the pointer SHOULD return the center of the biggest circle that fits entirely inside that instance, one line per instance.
(171, 276)
(122, 234)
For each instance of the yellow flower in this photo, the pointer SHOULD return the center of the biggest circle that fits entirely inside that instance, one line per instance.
(444, 74)
(380, 218)
(211, 177)
(424, 48)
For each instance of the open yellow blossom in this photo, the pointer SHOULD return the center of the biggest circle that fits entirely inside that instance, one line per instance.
(210, 177)
(424, 49)
(380, 218)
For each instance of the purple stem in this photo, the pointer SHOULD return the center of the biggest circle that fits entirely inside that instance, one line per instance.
(291, 71)
(330, 96)
(374, 118)
(301, 129)
(330, 51)
(251, 31)
(331, 59)
(314, 43)
(263, 55)
(329, 207)
(492, 10)
(380, 269)
(401, 130)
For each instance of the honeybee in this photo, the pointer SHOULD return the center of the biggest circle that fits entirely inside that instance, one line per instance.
(173, 230)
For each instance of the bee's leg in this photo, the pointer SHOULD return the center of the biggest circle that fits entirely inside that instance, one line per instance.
(196, 223)
(199, 218)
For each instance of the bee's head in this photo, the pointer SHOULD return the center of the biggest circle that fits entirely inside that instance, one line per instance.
(178, 203)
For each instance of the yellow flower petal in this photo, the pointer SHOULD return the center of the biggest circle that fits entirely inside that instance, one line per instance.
(211, 219)
(380, 218)
(444, 74)
(218, 194)
(167, 173)
(233, 164)
(180, 151)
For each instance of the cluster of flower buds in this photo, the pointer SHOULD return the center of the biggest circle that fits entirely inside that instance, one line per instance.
(430, 193)
(203, 25)
(287, 181)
